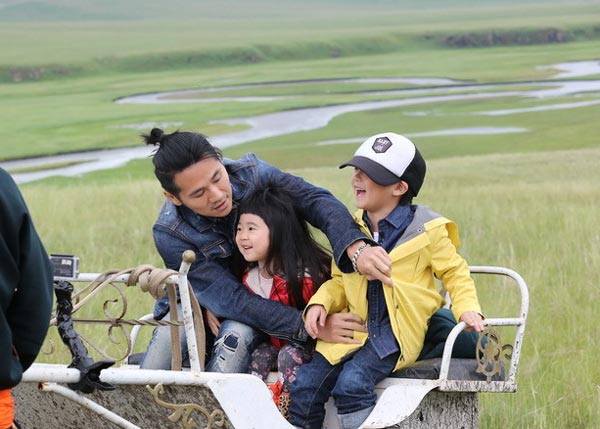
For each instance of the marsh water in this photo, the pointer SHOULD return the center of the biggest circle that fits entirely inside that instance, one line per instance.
(435, 90)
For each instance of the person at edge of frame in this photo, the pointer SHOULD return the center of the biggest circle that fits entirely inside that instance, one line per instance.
(26, 277)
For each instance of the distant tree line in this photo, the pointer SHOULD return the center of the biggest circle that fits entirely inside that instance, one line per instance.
(518, 37)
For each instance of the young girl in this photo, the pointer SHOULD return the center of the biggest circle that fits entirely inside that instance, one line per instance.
(282, 262)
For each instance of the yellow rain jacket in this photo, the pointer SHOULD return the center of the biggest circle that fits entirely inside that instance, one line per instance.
(426, 249)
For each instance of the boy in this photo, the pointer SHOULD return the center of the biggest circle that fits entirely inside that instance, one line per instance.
(389, 172)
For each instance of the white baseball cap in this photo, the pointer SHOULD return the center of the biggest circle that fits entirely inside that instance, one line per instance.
(389, 158)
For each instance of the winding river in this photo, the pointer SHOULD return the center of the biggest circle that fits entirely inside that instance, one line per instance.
(286, 122)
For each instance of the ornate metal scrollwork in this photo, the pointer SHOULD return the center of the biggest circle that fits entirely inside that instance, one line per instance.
(491, 353)
(182, 412)
(114, 311)
(108, 288)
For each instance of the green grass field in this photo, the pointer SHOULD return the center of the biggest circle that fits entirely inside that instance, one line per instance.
(528, 201)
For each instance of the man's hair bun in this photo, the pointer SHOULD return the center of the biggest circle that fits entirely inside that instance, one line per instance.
(155, 136)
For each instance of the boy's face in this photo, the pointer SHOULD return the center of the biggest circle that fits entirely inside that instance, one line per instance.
(204, 188)
(375, 198)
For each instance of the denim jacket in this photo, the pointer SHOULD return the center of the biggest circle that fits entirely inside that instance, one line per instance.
(212, 239)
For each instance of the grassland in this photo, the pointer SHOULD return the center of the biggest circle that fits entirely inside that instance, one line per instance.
(528, 201)
(46, 117)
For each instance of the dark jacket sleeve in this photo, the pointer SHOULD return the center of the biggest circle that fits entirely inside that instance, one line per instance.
(25, 286)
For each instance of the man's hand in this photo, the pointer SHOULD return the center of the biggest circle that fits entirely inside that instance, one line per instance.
(373, 262)
(473, 320)
(212, 321)
(340, 328)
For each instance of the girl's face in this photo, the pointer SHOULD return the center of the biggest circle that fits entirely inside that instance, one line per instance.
(252, 238)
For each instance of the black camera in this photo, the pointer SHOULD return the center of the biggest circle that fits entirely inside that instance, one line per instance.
(66, 267)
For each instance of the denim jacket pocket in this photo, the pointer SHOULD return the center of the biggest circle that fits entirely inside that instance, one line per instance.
(217, 248)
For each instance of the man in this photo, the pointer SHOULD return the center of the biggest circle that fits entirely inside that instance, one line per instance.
(25, 293)
(203, 191)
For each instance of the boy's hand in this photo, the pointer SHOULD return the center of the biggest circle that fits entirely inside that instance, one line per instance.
(373, 262)
(340, 328)
(212, 321)
(315, 318)
(473, 320)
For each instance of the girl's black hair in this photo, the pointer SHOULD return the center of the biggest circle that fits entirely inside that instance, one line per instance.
(177, 151)
(293, 252)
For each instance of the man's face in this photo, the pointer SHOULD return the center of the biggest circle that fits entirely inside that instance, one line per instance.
(204, 188)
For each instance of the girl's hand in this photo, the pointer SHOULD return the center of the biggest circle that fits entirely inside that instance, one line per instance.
(315, 319)
(473, 320)
(212, 321)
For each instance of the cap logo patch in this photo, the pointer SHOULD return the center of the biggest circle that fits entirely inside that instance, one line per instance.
(381, 144)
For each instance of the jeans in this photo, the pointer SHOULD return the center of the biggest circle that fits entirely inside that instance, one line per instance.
(158, 355)
(351, 383)
(233, 347)
(231, 350)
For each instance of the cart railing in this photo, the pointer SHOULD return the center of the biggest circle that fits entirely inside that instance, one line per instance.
(246, 401)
